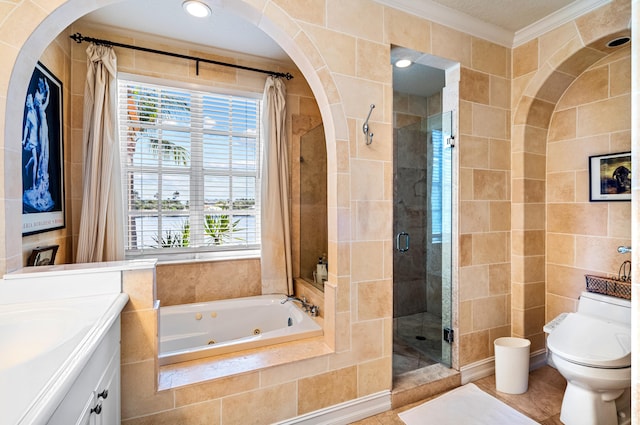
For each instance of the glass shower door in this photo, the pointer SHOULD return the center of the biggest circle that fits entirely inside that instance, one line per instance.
(422, 255)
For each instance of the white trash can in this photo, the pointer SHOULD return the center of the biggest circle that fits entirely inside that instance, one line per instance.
(512, 364)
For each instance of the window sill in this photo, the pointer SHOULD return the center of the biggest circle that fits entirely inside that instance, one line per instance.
(211, 368)
(200, 257)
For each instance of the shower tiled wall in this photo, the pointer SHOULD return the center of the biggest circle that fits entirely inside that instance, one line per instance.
(417, 272)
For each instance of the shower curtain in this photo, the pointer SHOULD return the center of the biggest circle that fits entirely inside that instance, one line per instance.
(275, 230)
(101, 223)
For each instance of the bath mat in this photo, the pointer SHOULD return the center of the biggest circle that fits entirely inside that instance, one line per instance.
(467, 405)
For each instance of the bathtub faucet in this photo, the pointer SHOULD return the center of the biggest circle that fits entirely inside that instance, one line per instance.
(308, 308)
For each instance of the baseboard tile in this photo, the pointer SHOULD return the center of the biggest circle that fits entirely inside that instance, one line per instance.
(486, 367)
(347, 412)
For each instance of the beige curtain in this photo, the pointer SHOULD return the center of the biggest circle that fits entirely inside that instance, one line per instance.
(275, 234)
(101, 221)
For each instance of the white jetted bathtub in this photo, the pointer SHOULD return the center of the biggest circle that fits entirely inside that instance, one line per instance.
(194, 331)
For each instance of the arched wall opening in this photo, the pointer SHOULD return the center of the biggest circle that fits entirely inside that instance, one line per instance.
(272, 20)
(531, 305)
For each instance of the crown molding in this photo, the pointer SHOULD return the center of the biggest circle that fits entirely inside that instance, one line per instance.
(460, 21)
(435, 12)
(556, 19)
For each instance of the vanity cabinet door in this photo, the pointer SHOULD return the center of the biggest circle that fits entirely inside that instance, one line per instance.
(83, 405)
(108, 394)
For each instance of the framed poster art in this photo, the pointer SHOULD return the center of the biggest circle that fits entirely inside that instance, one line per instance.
(42, 154)
(610, 177)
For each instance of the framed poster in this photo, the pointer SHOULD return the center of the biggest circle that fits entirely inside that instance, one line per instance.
(610, 177)
(42, 154)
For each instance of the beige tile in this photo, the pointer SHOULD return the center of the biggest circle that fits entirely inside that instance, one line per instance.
(489, 312)
(561, 248)
(293, 371)
(359, 17)
(565, 281)
(313, 13)
(139, 396)
(563, 125)
(475, 86)
(489, 57)
(338, 50)
(604, 116)
(474, 282)
(216, 389)
(620, 77)
(561, 187)
(525, 58)
(474, 347)
(373, 299)
(260, 406)
(500, 216)
(552, 40)
(140, 286)
(325, 390)
(489, 121)
(583, 219)
(366, 339)
(139, 335)
(474, 152)
(500, 92)
(366, 261)
(499, 154)
(490, 185)
(374, 376)
(207, 413)
(407, 30)
(474, 216)
(451, 44)
(490, 248)
(554, 86)
(602, 21)
(369, 56)
(591, 86)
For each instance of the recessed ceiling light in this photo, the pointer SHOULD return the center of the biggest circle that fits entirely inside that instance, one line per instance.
(618, 41)
(196, 8)
(403, 63)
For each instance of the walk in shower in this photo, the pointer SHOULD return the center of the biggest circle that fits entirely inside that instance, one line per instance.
(422, 261)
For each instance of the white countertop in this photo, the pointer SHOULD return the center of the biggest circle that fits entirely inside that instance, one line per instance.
(43, 348)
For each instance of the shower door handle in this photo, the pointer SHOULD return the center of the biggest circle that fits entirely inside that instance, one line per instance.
(399, 236)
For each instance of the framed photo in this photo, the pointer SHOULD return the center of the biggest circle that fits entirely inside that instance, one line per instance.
(43, 256)
(610, 177)
(42, 154)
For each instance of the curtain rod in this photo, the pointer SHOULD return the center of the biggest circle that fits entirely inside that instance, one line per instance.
(79, 38)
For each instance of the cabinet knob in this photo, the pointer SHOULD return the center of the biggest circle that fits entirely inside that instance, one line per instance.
(104, 394)
(98, 409)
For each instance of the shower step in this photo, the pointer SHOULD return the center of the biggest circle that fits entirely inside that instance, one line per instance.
(420, 384)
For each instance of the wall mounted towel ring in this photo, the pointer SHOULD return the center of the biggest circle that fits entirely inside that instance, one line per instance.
(365, 127)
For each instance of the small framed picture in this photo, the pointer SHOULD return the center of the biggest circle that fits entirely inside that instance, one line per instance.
(43, 256)
(610, 177)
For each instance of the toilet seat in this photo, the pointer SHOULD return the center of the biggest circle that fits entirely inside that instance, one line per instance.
(592, 341)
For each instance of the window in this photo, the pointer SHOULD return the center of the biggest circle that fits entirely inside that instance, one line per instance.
(191, 169)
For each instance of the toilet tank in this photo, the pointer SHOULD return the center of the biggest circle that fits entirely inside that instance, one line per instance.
(605, 306)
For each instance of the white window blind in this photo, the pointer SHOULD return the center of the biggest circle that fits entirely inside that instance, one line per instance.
(191, 169)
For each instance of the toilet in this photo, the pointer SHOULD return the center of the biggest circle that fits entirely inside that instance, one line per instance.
(592, 350)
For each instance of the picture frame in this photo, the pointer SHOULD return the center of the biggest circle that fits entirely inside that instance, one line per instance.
(43, 256)
(610, 177)
(43, 205)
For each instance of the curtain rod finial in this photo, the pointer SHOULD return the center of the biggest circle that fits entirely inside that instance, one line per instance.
(77, 37)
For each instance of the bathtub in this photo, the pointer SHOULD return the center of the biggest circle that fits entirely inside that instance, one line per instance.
(194, 331)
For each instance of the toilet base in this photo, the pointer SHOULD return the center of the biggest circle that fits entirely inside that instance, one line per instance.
(581, 406)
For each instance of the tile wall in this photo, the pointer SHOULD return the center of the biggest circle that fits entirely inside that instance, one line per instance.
(543, 69)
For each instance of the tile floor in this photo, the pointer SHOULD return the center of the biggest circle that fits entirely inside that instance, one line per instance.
(541, 402)
(417, 342)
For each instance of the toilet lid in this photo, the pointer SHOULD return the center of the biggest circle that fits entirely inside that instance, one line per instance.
(592, 341)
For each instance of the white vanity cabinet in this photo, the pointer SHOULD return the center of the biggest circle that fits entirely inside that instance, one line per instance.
(94, 398)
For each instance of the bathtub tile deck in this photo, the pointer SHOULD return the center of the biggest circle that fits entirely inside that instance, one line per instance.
(197, 371)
